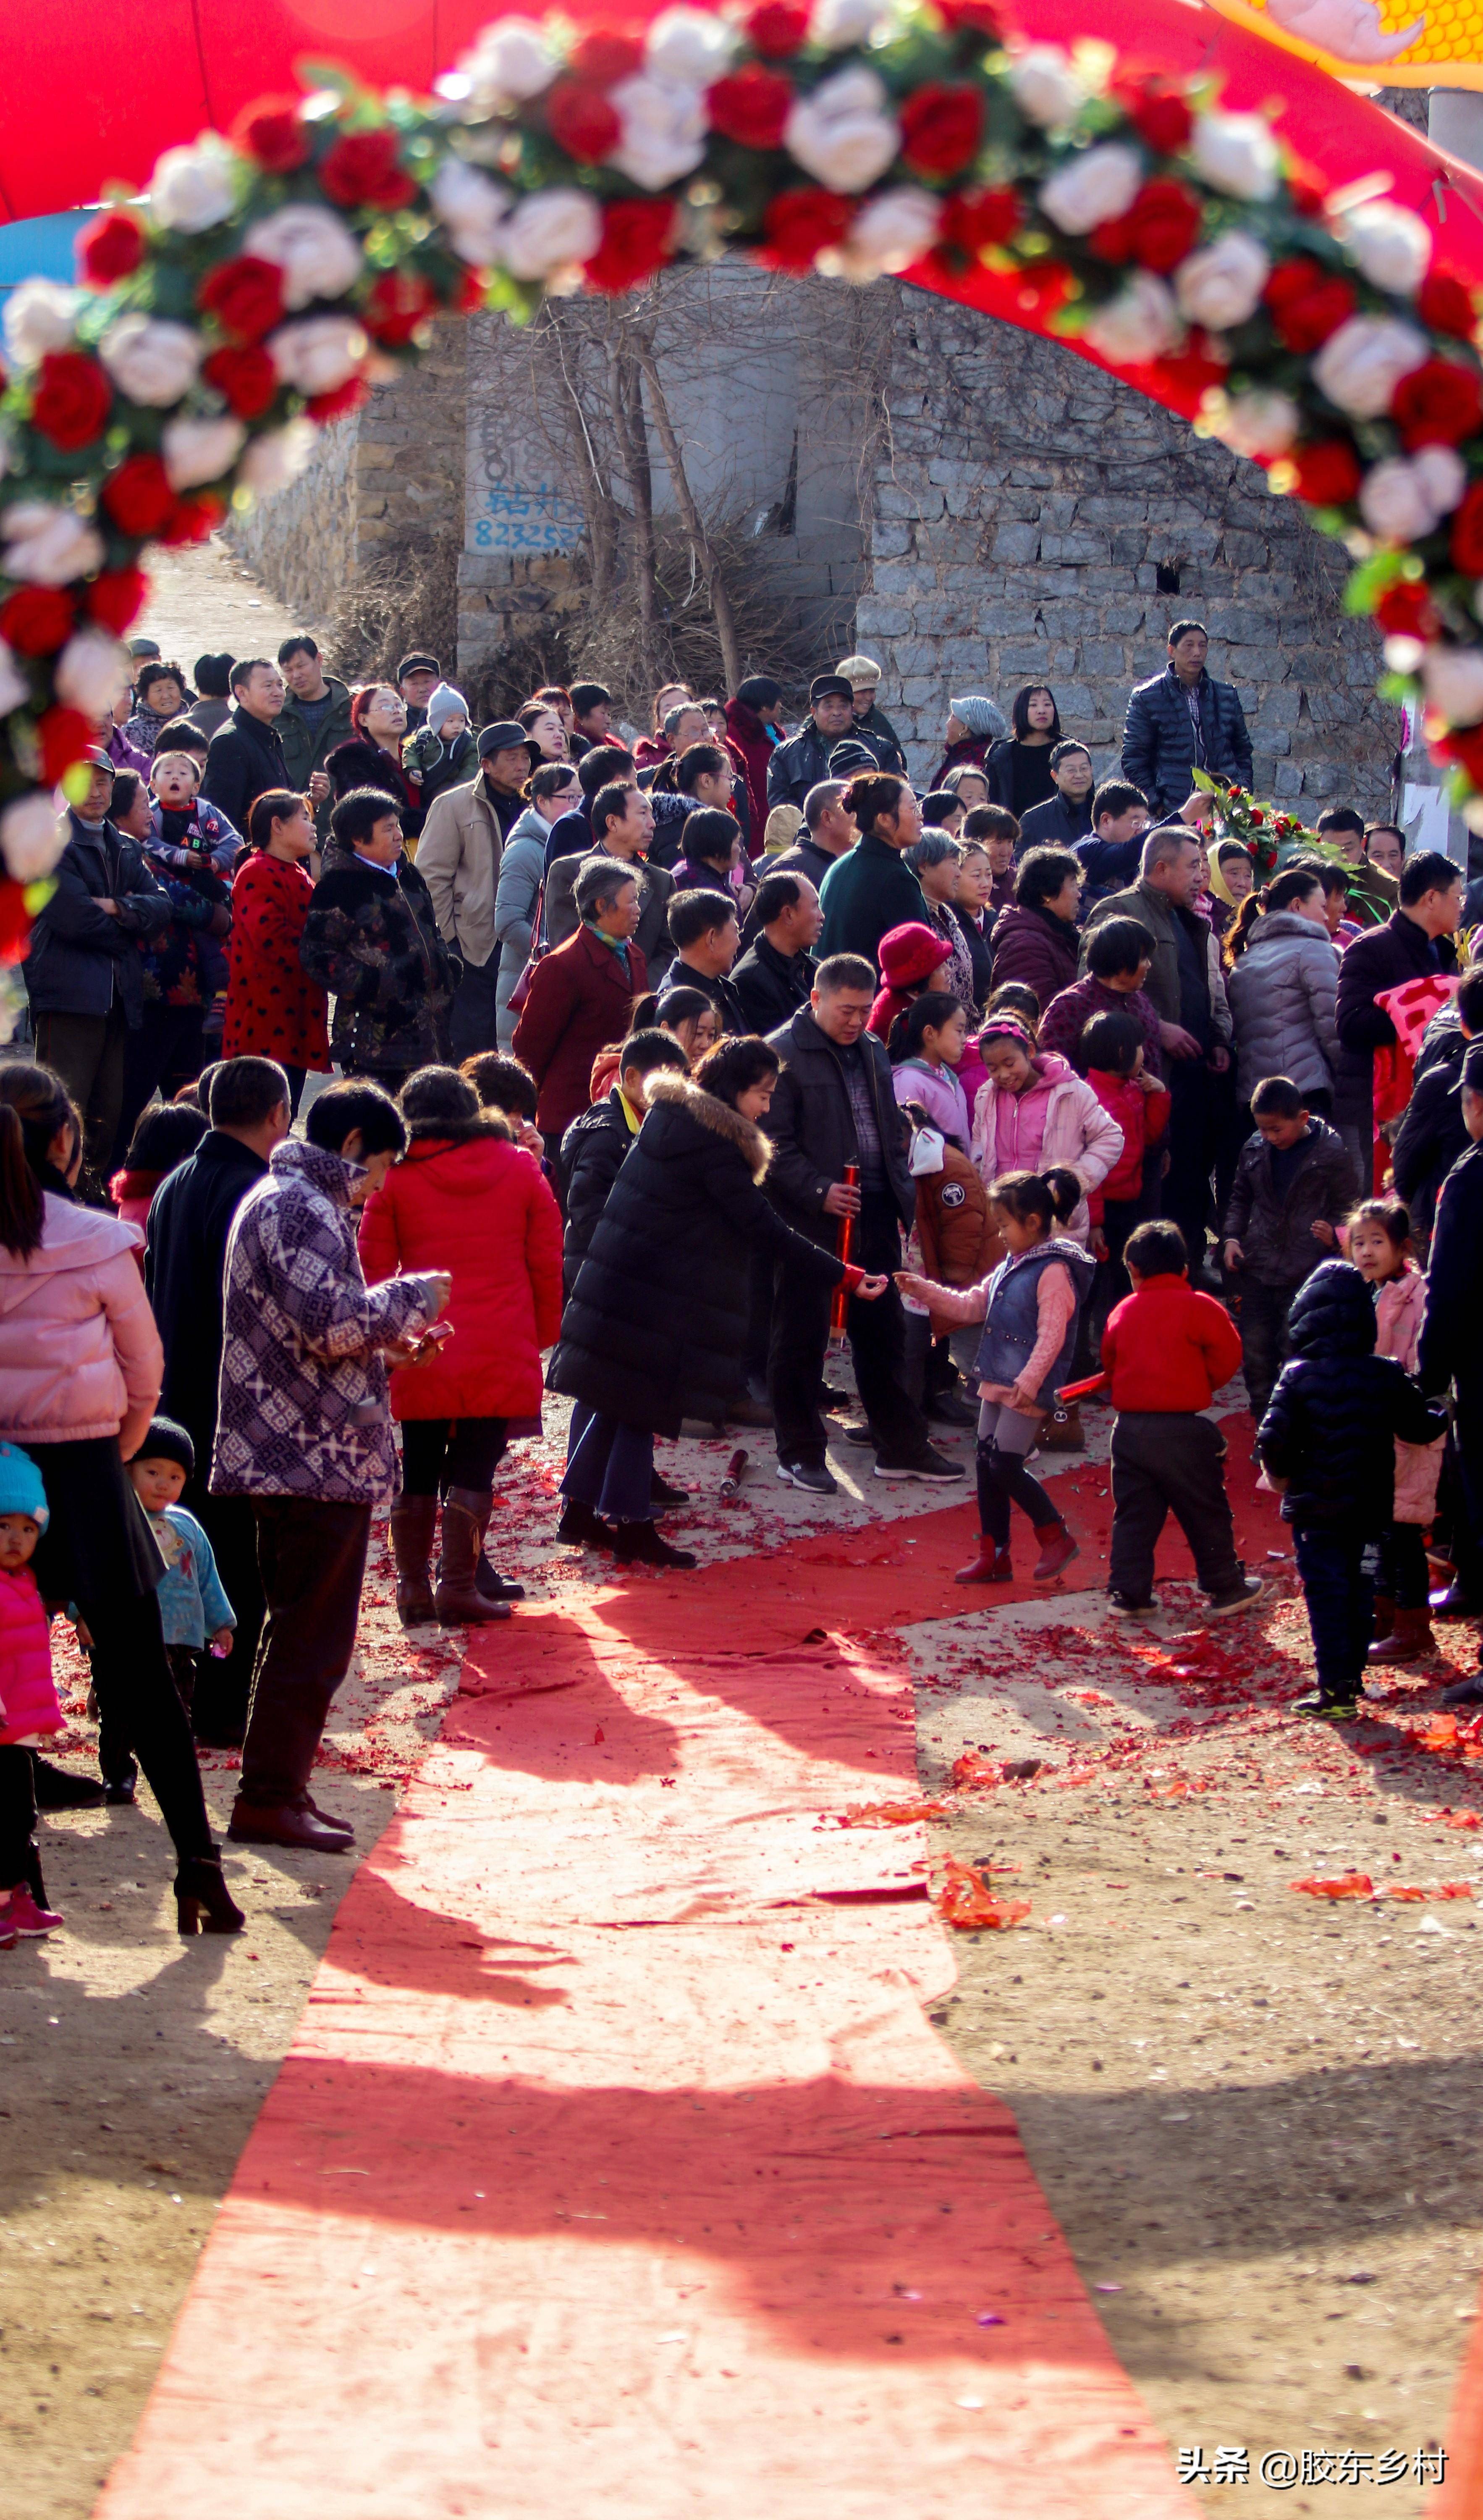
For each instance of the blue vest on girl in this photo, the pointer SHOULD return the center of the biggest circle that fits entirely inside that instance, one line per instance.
(1011, 1323)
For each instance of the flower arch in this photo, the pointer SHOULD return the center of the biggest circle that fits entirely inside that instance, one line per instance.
(268, 278)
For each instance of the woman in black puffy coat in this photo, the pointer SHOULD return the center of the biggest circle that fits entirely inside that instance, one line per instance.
(655, 1325)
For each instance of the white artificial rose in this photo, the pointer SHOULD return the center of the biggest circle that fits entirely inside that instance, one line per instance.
(1260, 424)
(1096, 184)
(842, 135)
(39, 316)
(1222, 284)
(200, 450)
(1361, 364)
(1393, 501)
(194, 189)
(271, 462)
(689, 46)
(470, 207)
(314, 251)
(838, 23)
(1392, 247)
(92, 670)
(511, 63)
(1046, 87)
(48, 546)
(319, 355)
(1443, 476)
(32, 837)
(1454, 681)
(891, 233)
(548, 231)
(15, 689)
(1237, 153)
(151, 359)
(1139, 323)
(664, 130)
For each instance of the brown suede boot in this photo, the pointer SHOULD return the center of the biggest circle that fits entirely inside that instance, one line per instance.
(414, 1520)
(459, 1602)
(1410, 1639)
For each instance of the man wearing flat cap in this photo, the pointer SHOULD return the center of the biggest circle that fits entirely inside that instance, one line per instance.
(458, 858)
(871, 725)
(799, 764)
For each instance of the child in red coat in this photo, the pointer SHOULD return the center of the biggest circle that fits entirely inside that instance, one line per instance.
(1166, 1352)
(29, 1706)
(274, 1010)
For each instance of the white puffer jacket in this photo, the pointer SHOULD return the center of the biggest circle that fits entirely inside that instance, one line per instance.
(79, 1353)
(1282, 995)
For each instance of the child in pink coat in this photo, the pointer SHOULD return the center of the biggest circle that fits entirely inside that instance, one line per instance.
(1377, 1240)
(29, 1706)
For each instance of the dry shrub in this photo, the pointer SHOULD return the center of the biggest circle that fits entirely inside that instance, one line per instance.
(403, 602)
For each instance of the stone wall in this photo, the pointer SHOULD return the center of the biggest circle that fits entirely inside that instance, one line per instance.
(1035, 521)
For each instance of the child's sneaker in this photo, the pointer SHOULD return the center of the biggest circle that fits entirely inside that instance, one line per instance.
(20, 1914)
(1123, 1607)
(1251, 1589)
(1337, 1710)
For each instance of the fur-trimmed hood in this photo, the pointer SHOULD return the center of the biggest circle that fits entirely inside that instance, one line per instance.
(709, 1109)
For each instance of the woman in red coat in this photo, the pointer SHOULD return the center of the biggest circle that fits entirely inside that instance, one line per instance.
(464, 1192)
(273, 1008)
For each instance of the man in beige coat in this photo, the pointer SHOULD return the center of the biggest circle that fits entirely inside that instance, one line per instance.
(458, 858)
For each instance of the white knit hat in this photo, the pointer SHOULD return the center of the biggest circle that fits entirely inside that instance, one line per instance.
(979, 714)
(859, 670)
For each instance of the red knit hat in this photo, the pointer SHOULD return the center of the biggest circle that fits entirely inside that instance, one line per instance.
(908, 953)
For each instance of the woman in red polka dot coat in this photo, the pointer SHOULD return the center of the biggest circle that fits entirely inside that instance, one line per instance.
(274, 1010)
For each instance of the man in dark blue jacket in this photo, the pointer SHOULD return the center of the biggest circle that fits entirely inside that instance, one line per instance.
(1451, 1347)
(799, 764)
(1180, 721)
(84, 975)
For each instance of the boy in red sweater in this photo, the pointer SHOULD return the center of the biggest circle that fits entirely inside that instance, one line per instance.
(1109, 1052)
(1167, 1351)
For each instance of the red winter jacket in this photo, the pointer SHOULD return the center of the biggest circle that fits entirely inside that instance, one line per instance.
(1143, 1119)
(273, 1008)
(579, 1002)
(27, 1692)
(479, 1207)
(750, 740)
(1168, 1349)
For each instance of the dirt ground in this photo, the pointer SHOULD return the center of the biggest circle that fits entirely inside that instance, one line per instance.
(203, 600)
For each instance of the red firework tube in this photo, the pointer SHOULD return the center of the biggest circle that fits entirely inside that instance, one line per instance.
(1071, 1391)
(844, 1241)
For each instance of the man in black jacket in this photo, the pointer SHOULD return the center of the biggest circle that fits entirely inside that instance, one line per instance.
(595, 1144)
(83, 972)
(1434, 1134)
(1451, 1347)
(184, 1259)
(799, 764)
(1414, 944)
(1180, 721)
(775, 978)
(832, 1107)
(1066, 817)
(829, 830)
(246, 757)
(704, 933)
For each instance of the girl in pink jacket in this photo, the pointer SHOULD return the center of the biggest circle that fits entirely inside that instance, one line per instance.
(1034, 1111)
(29, 1707)
(1378, 1243)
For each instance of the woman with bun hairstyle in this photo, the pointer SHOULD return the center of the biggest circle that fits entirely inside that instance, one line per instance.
(80, 1371)
(1029, 1310)
(1283, 981)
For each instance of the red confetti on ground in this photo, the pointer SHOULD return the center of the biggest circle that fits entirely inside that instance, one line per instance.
(1349, 1885)
(891, 1814)
(968, 1902)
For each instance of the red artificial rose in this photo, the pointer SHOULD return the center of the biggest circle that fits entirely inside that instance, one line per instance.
(581, 121)
(970, 17)
(192, 518)
(333, 405)
(1327, 475)
(245, 296)
(1439, 404)
(137, 497)
(797, 225)
(468, 296)
(601, 59)
(1445, 304)
(1307, 303)
(15, 921)
(272, 132)
(777, 29)
(1188, 374)
(752, 106)
(1467, 543)
(1158, 113)
(65, 735)
(1464, 745)
(245, 375)
(362, 171)
(398, 303)
(638, 239)
(972, 220)
(109, 248)
(117, 598)
(36, 621)
(71, 399)
(941, 128)
(1162, 224)
(1405, 610)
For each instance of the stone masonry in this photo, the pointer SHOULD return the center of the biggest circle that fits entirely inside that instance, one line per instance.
(1036, 520)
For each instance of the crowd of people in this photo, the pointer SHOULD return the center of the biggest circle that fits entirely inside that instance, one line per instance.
(658, 1064)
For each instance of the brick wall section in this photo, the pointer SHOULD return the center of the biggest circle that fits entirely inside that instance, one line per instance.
(1023, 506)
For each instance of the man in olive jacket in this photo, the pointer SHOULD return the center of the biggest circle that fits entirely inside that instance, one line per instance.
(316, 717)
(833, 1106)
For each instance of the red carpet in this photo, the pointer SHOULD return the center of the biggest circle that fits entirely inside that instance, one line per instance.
(615, 2165)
